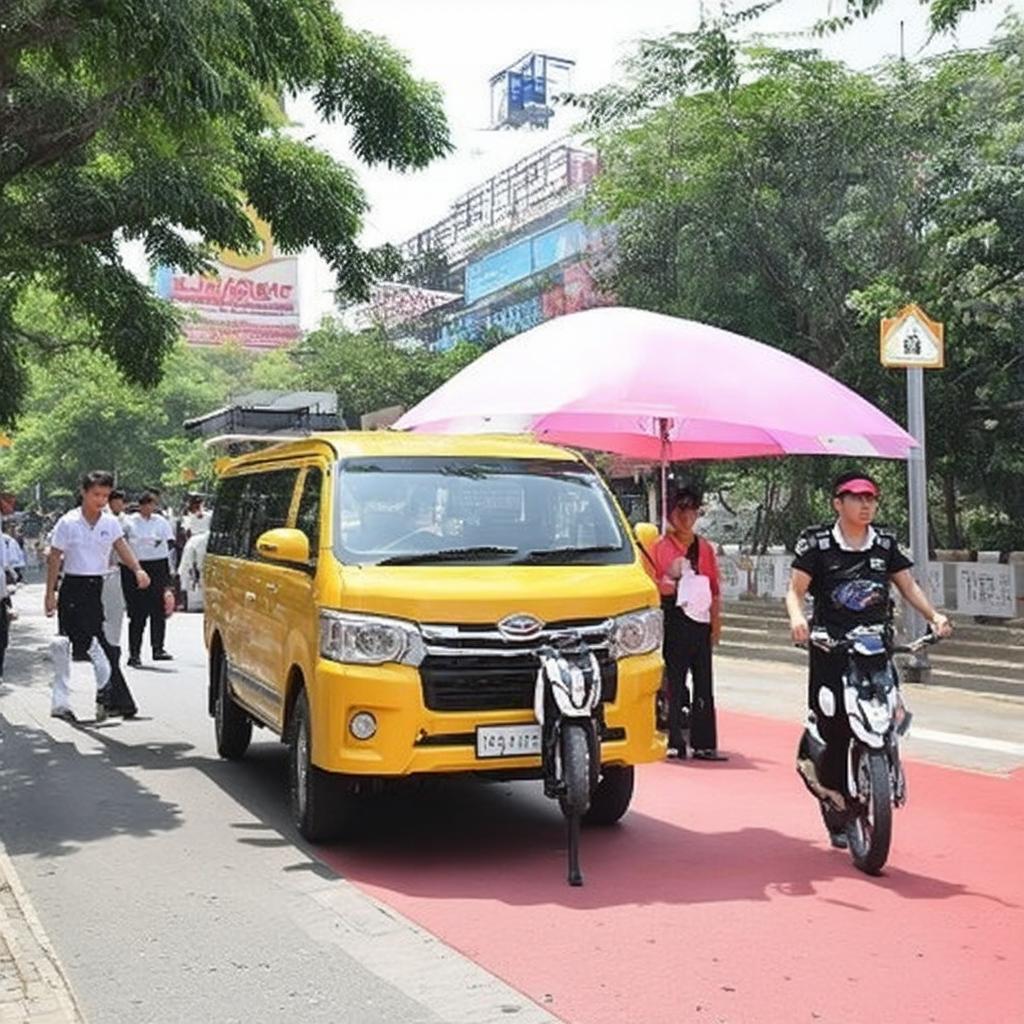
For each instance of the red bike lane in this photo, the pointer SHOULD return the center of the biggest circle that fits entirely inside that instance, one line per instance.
(718, 898)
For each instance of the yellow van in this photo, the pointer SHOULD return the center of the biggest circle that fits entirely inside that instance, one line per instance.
(377, 601)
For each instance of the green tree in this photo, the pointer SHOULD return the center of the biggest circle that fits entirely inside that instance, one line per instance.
(148, 120)
(81, 414)
(785, 197)
(370, 372)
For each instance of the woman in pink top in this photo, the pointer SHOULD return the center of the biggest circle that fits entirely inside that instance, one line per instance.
(686, 571)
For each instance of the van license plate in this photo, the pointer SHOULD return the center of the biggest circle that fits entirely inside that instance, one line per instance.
(507, 740)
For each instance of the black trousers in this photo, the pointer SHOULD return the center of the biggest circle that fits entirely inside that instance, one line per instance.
(825, 700)
(687, 653)
(146, 606)
(5, 628)
(80, 613)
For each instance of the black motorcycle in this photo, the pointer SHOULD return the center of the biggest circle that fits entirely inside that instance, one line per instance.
(878, 718)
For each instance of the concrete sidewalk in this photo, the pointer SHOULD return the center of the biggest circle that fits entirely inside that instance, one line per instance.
(33, 988)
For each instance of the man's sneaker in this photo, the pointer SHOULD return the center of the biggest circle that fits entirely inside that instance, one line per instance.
(162, 656)
(838, 839)
(65, 714)
(135, 662)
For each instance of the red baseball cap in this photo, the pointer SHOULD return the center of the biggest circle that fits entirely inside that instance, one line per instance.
(860, 485)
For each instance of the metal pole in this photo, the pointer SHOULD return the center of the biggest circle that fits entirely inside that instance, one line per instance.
(918, 668)
(663, 429)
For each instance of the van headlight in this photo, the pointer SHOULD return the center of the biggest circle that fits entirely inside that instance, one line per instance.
(369, 639)
(637, 632)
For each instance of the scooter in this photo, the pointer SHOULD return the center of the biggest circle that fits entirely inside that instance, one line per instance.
(567, 704)
(878, 718)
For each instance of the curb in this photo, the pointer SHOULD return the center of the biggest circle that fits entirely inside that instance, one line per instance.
(39, 989)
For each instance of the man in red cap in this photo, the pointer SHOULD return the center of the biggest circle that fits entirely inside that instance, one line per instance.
(847, 568)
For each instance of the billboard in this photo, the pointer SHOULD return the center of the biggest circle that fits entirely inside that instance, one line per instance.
(503, 268)
(251, 298)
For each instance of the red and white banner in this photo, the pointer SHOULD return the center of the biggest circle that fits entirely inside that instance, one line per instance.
(252, 300)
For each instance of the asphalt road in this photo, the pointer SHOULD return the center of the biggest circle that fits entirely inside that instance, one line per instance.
(174, 889)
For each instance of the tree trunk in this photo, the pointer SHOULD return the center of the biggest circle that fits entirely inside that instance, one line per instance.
(953, 535)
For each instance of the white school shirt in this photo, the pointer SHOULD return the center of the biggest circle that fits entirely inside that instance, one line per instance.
(15, 556)
(196, 525)
(4, 566)
(86, 548)
(148, 537)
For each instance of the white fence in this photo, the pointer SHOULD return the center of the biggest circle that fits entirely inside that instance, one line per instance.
(970, 588)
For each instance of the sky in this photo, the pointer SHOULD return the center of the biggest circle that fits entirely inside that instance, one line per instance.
(460, 44)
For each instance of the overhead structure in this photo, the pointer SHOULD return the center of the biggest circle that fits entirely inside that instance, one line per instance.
(521, 93)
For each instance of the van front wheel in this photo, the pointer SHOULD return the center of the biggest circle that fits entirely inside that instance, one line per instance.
(321, 802)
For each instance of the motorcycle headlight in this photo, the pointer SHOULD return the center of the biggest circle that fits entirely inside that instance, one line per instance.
(637, 632)
(369, 639)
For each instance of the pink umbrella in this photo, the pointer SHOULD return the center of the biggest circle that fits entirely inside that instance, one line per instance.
(655, 387)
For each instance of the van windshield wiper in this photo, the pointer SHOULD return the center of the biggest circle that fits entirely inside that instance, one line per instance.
(449, 555)
(551, 554)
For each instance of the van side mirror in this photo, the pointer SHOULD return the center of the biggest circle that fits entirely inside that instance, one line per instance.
(647, 535)
(284, 545)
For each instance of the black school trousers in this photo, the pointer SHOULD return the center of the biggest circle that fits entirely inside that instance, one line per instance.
(146, 605)
(687, 653)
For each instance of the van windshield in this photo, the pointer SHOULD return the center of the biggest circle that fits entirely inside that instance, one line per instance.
(410, 510)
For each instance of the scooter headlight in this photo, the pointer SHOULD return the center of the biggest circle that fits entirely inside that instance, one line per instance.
(369, 639)
(637, 632)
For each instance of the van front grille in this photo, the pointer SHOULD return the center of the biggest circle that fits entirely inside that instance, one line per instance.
(469, 668)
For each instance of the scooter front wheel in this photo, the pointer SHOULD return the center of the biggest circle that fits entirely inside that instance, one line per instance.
(870, 830)
(576, 774)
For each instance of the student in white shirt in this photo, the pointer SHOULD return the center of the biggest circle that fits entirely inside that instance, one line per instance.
(15, 554)
(81, 543)
(150, 537)
(197, 519)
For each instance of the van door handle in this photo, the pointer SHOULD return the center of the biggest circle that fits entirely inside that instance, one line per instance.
(271, 588)
(250, 596)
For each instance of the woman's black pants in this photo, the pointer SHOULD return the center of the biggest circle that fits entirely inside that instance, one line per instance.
(687, 652)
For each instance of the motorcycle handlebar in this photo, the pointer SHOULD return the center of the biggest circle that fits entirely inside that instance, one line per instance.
(912, 647)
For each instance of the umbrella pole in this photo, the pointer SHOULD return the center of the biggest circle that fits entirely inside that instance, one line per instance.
(663, 425)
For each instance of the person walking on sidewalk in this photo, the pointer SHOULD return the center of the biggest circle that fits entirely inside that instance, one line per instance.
(686, 571)
(7, 579)
(81, 544)
(121, 701)
(150, 537)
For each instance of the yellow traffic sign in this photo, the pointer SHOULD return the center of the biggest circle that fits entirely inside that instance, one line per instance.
(912, 338)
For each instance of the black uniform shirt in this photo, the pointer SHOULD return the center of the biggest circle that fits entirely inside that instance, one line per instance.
(850, 588)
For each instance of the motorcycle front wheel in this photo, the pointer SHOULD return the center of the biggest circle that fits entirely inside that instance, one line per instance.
(870, 831)
(576, 773)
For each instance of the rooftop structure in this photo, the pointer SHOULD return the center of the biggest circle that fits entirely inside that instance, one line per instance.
(521, 93)
(551, 177)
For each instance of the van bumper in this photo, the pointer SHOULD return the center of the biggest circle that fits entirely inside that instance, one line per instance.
(411, 739)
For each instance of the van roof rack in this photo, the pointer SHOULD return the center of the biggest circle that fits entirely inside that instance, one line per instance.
(291, 415)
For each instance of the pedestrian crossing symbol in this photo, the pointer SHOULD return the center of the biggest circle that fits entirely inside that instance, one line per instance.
(911, 338)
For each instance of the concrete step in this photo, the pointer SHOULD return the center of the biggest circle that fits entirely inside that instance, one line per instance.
(981, 675)
(1007, 639)
(970, 659)
(1008, 634)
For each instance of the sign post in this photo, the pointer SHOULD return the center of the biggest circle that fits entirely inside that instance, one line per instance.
(912, 340)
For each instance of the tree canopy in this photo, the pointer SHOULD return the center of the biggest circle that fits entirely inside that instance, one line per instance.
(147, 120)
(82, 414)
(788, 198)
